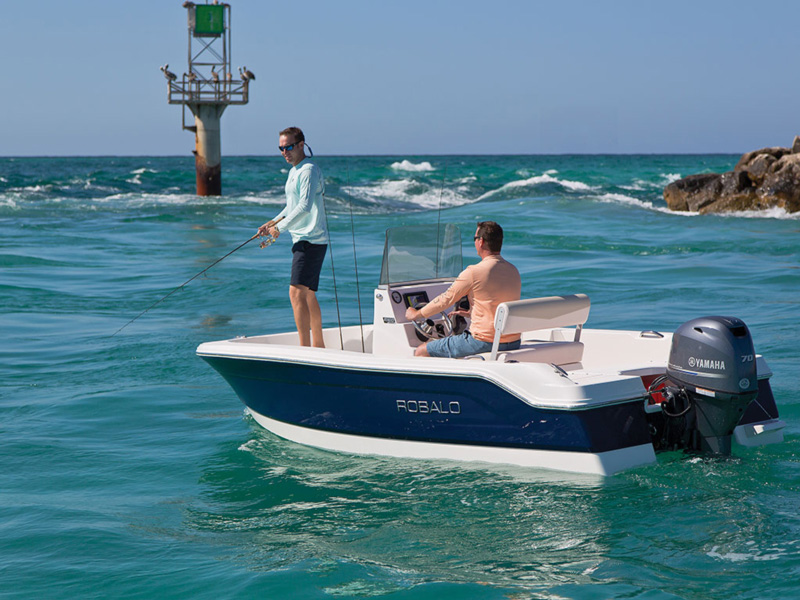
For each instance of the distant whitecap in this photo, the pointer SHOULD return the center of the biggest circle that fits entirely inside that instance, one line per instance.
(407, 165)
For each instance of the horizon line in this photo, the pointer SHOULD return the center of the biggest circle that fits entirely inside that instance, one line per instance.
(380, 155)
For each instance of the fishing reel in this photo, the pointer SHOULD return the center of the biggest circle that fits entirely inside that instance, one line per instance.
(269, 240)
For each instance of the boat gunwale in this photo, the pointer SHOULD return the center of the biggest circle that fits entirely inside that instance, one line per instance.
(478, 370)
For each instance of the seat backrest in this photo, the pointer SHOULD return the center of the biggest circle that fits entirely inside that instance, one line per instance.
(534, 314)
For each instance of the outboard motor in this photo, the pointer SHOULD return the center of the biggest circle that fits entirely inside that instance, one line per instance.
(713, 366)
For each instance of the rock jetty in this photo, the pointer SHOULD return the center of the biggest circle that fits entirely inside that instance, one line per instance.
(762, 179)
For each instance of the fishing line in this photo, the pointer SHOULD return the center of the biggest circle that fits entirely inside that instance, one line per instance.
(439, 218)
(333, 272)
(355, 263)
(269, 241)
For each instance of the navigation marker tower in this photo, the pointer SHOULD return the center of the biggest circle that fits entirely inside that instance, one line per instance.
(208, 88)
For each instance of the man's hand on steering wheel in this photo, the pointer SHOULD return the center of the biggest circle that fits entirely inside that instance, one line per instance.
(428, 328)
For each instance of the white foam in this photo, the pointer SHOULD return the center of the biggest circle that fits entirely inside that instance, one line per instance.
(88, 184)
(408, 191)
(140, 200)
(767, 213)
(664, 180)
(630, 201)
(137, 200)
(137, 175)
(745, 556)
(33, 188)
(247, 446)
(547, 177)
(407, 165)
(263, 198)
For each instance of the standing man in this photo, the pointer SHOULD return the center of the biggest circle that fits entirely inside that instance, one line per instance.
(304, 218)
(487, 284)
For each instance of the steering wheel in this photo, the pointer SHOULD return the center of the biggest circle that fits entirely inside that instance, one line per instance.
(428, 329)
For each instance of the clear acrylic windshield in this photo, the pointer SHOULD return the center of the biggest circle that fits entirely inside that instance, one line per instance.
(420, 252)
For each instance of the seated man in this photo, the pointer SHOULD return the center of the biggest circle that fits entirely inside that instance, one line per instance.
(487, 284)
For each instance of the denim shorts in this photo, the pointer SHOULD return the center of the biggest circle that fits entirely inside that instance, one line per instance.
(456, 346)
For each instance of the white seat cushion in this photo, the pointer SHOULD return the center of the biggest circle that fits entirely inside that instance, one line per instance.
(557, 353)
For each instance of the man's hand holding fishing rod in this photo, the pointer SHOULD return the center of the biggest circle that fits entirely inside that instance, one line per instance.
(270, 231)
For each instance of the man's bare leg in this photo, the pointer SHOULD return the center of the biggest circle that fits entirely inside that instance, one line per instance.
(307, 315)
(301, 317)
(315, 315)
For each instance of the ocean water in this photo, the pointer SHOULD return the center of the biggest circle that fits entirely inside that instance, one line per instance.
(129, 469)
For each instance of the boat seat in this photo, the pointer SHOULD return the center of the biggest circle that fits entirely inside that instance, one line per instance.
(535, 314)
(557, 353)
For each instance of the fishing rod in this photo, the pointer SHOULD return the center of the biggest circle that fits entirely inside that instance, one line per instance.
(333, 274)
(267, 242)
(439, 217)
(355, 263)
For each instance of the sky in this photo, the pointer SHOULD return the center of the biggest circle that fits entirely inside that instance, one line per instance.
(411, 78)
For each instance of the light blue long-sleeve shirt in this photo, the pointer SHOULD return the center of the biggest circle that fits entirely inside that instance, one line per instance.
(305, 206)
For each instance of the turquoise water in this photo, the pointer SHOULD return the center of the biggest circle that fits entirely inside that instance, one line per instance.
(129, 469)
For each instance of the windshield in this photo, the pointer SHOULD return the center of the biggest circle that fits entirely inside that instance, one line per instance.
(419, 252)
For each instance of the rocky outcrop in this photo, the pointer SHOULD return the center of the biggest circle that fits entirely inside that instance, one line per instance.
(762, 179)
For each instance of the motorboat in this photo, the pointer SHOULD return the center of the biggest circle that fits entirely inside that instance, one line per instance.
(571, 398)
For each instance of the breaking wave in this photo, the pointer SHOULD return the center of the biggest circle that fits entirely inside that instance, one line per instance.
(538, 180)
(408, 193)
(407, 165)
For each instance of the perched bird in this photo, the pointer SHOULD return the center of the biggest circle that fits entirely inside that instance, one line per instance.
(190, 76)
(246, 75)
(187, 4)
(214, 75)
(167, 73)
(229, 76)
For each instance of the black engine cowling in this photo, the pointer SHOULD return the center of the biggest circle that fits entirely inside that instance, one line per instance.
(712, 365)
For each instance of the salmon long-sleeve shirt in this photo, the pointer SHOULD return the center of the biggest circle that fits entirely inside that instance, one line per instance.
(486, 284)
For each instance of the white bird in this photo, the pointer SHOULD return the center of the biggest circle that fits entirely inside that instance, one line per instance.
(167, 73)
(214, 75)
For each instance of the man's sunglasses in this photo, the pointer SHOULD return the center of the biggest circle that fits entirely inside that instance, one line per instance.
(288, 148)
